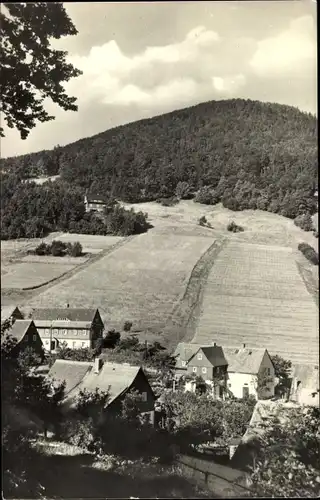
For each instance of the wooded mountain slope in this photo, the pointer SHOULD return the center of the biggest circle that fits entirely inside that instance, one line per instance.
(244, 153)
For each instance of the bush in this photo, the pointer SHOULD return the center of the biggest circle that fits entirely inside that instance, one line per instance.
(58, 248)
(111, 339)
(206, 196)
(74, 249)
(168, 202)
(43, 249)
(183, 191)
(304, 221)
(127, 326)
(203, 221)
(234, 228)
(309, 253)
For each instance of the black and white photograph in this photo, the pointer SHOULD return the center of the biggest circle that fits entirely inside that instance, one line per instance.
(159, 250)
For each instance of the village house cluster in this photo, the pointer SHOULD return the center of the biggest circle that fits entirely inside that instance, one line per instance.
(226, 371)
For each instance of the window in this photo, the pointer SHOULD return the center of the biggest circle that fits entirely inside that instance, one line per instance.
(144, 396)
(268, 371)
(84, 332)
(83, 344)
(34, 338)
(199, 356)
(73, 345)
(229, 384)
(76, 332)
(204, 370)
(183, 363)
(194, 369)
(47, 342)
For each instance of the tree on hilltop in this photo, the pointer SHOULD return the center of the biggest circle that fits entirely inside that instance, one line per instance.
(31, 70)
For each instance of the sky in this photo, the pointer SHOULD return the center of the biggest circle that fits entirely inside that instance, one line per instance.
(141, 59)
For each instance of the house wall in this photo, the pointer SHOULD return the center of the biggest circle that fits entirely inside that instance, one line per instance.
(31, 339)
(74, 338)
(97, 328)
(200, 367)
(236, 381)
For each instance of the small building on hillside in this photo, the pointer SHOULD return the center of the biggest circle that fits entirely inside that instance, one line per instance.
(26, 335)
(77, 328)
(246, 369)
(10, 313)
(209, 363)
(116, 379)
(250, 372)
(305, 385)
(95, 202)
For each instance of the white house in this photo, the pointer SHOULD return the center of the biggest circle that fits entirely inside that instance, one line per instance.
(245, 367)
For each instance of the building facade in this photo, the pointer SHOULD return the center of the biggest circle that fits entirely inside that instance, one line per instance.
(75, 328)
(26, 336)
(94, 202)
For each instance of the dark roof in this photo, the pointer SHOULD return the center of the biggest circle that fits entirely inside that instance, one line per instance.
(185, 350)
(71, 314)
(244, 360)
(215, 355)
(19, 329)
(93, 196)
(70, 372)
(8, 311)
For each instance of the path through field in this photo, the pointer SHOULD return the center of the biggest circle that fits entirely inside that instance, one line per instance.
(255, 295)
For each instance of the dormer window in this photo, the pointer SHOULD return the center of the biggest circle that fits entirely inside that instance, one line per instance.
(183, 363)
(199, 356)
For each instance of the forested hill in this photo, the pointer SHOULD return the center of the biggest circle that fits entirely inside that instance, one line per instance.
(246, 153)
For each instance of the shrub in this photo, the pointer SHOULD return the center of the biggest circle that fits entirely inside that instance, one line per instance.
(205, 195)
(74, 249)
(58, 248)
(309, 253)
(168, 202)
(304, 221)
(127, 326)
(43, 249)
(234, 228)
(316, 234)
(203, 221)
(111, 339)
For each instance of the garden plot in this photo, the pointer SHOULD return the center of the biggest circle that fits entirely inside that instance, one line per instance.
(25, 274)
(140, 281)
(255, 295)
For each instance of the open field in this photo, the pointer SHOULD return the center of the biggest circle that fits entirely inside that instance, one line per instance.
(141, 281)
(255, 295)
(27, 274)
(20, 270)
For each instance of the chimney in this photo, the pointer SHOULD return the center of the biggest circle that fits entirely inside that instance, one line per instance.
(97, 365)
(214, 344)
(244, 346)
(68, 305)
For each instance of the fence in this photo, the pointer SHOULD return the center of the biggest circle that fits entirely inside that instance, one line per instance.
(222, 481)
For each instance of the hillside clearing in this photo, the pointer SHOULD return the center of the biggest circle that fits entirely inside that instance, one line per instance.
(29, 274)
(141, 281)
(255, 295)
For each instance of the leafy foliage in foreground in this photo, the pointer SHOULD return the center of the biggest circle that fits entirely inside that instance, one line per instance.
(26, 32)
(244, 153)
(288, 461)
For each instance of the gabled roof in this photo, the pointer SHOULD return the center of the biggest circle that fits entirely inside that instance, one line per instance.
(214, 355)
(72, 314)
(19, 329)
(244, 360)
(185, 351)
(72, 372)
(93, 196)
(114, 378)
(8, 311)
(46, 323)
(309, 384)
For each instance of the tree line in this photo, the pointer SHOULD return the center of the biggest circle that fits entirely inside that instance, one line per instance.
(245, 154)
(29, 210)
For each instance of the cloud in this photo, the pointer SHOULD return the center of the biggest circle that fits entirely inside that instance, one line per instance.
(228, 85)
(113, 78)
(290, 51)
